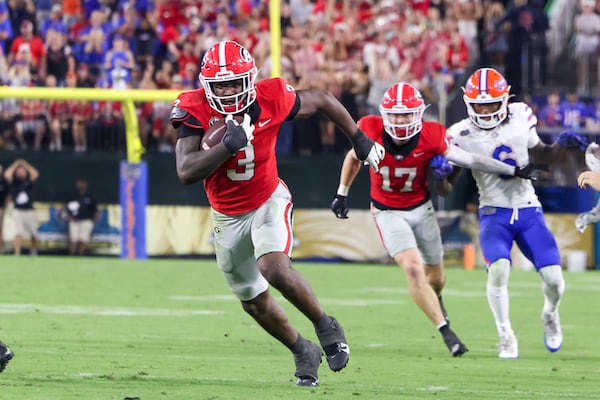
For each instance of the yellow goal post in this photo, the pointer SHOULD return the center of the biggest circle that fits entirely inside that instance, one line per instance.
(126, 97)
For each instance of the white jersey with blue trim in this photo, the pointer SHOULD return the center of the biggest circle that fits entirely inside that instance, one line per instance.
(508, 142)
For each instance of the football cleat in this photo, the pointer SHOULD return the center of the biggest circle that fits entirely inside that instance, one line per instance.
(552, 331)
(456, 347)
(508, 347)
(333, 341)
(307, 365)
(6, 355)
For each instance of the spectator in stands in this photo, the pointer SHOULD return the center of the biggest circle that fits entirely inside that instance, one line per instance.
(587, 41)
(54, 21)
(82, 211)
(31, 48)
(146, 39)
(81, 115)
(59, 118)
(550, 115)
(593, 119)
(468, 14)
(495, 44)
(4, 192)
(574, 112)
(6, 31)
(119, 61)
(21, 176)
(59, 56)
(93, 42)
(32, 121)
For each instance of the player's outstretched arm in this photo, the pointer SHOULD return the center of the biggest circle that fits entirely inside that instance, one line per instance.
(317, 100)
(479, 162)
(567, 142)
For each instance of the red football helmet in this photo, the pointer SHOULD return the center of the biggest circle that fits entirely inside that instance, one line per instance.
(224, 62)
(402, 110)
(487, 86)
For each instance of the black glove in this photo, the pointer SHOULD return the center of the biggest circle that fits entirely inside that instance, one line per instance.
(235, 138)
(527, 171)
(339, 207)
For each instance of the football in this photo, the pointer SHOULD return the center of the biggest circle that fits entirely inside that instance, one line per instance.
(215, 132)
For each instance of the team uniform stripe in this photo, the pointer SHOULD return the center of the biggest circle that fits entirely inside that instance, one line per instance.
(483, 78)
(222, 59)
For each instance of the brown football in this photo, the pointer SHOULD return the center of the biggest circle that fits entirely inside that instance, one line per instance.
(215, 132)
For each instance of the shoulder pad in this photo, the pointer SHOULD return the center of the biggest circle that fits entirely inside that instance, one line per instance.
(178, 114)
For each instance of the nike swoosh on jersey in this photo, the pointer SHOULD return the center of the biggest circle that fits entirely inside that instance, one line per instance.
(418, 154)
(263, 123)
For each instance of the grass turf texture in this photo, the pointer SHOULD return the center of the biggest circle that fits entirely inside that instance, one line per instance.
(95, 328)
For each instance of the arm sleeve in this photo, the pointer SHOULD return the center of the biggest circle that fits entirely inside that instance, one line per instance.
(478, 162)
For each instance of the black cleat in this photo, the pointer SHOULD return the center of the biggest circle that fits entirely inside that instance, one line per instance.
(456, 347)
(444, 312)
(307, 365)
(6, 355)
(332, 338)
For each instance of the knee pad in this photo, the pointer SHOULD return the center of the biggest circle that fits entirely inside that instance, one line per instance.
(552, 275)
(498, 272)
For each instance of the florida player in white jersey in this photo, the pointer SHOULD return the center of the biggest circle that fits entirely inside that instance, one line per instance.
(400, 196)
(251, 206)
(509, 209)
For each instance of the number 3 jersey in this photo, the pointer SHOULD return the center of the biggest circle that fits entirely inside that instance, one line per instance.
(401, 182)
(508, 142)
(247, 179)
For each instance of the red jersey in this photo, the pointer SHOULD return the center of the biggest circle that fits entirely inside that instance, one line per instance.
(247, 179)
(401, 182)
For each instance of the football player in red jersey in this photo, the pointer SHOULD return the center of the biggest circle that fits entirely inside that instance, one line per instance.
(400, 198)
(251, 206)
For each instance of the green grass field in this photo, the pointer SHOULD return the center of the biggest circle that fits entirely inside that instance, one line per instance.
(98, 328)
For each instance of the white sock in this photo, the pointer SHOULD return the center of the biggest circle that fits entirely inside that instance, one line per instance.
(553, 287)
(497, 294)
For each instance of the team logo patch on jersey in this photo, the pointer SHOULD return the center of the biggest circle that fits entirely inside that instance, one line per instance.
(464, 132)
(178, 113)
(488, 210)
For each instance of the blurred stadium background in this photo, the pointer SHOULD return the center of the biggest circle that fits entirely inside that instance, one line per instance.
(176, 218)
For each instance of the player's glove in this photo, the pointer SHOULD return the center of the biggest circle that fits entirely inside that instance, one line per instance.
(528, 171)
(572, 139)
(367, 150)
(237, 135)
(339, 206)
(440, 167)
(586, 218)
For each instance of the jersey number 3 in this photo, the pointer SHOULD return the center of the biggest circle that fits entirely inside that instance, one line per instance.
(245, 165)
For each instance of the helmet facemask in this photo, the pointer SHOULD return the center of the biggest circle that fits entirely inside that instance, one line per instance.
(491, 120)
(235, 103)
(402, 131)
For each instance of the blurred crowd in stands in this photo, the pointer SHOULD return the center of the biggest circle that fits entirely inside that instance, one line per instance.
(354, 48)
